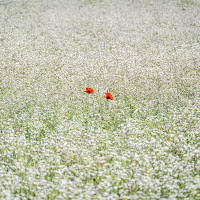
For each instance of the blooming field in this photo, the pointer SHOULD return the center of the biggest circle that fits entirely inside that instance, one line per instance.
(59, 142)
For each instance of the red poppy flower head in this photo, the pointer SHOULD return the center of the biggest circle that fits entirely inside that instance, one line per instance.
(108, 96)
(89, 90)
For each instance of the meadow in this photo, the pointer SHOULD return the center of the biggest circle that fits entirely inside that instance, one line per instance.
(58, 142)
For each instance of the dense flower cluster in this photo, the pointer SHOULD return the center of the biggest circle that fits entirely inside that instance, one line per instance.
(57, 143)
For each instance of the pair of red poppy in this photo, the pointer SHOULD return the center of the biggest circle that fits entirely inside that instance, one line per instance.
(107, 95)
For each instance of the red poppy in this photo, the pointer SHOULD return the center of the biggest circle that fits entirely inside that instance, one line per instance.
(108, 96)
(89, 90)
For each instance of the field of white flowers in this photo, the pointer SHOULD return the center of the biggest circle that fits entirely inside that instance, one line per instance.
(58, 142)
